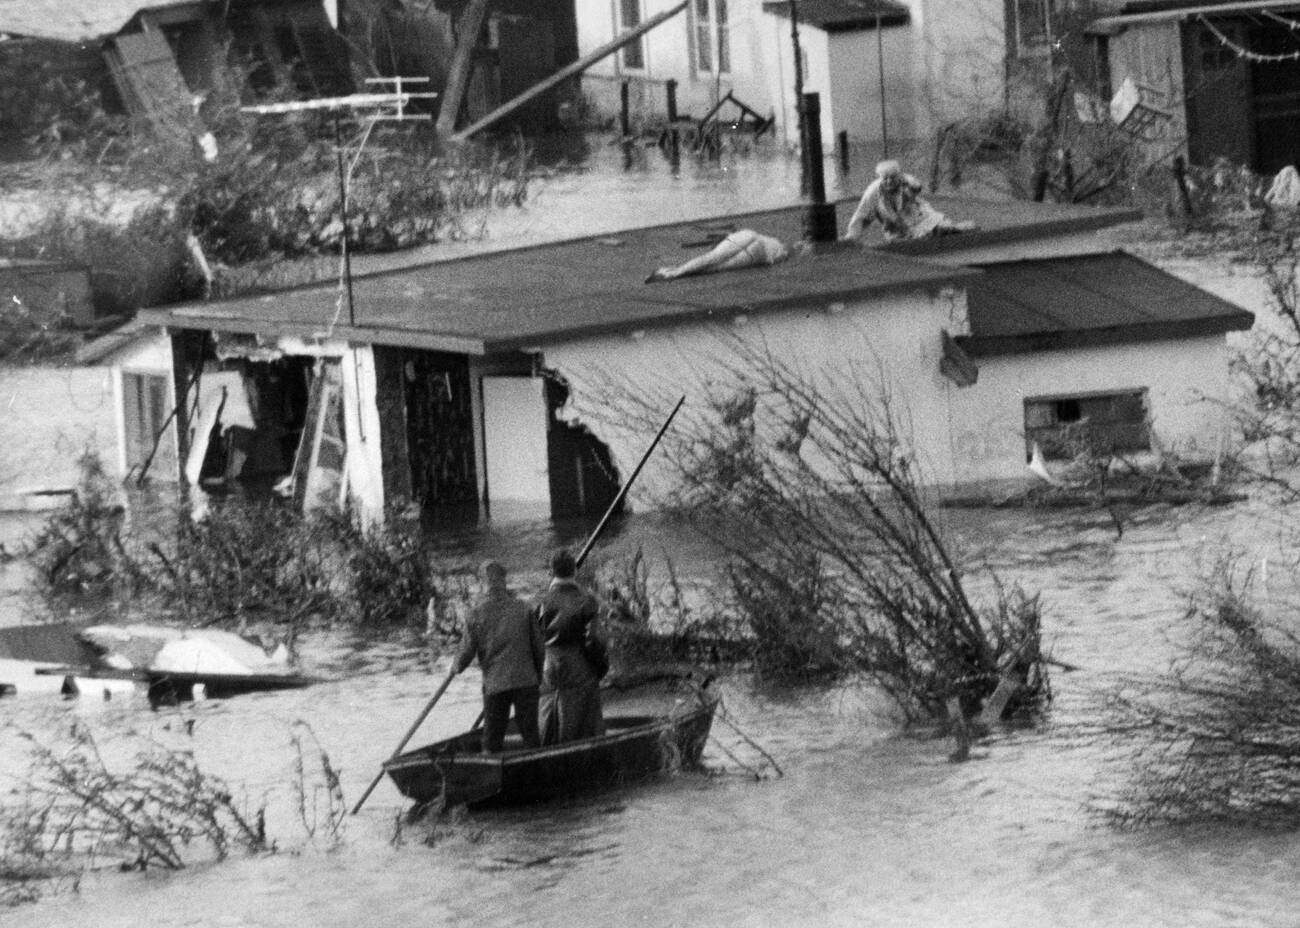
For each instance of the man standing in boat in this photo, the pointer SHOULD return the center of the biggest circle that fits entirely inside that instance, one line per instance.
(501, 633)
(570, 700)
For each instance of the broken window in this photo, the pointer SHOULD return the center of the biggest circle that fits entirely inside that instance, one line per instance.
(629, 17)
(712, 39)
(1093, 424)
(146, 412)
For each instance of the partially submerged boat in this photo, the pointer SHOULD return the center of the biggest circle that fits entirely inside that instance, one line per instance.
(178, 664)
(634, 747)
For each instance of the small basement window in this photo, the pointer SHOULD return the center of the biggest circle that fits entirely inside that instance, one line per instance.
(1098, 424)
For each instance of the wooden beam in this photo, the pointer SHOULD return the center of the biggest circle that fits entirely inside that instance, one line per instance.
(567, 71)
(467, 28)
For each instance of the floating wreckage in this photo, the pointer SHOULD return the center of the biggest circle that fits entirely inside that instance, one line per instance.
(175, 664)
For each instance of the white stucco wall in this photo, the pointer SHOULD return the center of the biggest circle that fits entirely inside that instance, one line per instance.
(961, 435)
(1186, 381)
(843, 69)
(897, 338)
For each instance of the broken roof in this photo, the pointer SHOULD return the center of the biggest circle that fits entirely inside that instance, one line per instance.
(1089, 300)
(545, 293)
(72, 20)
(843, 15)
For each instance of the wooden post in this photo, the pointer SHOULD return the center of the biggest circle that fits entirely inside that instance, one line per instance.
(798, 97)
(880, 68)
(467, 30)
(843, 141)
(624, 116)
(819, 220)
(670, 88)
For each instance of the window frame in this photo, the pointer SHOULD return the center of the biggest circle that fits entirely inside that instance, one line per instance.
(1120, 432)
(719, 37)
(621, 26)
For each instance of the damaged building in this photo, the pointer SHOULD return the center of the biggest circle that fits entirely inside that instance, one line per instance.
(159, 61)
(485, 385)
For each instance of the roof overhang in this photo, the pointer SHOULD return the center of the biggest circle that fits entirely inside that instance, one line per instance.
(195, 318)
(1113, 25)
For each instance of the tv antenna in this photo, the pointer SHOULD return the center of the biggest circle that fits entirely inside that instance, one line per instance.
(380, 106)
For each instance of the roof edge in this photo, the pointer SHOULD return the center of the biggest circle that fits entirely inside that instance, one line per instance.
(1032, 342)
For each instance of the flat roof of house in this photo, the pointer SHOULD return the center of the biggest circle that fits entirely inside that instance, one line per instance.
(843, 15)
(513, 299)
(1089, 300)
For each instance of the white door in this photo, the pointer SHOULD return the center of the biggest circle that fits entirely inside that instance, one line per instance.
(514, 438)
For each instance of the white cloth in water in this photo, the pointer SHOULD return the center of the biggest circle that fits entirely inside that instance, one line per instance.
(1284, 192)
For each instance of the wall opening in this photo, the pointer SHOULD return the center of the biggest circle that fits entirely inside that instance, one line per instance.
(1065, 427)
(582, 476)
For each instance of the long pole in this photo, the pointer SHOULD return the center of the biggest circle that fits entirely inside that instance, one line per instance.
(880, 67)
(627, 485)
(582, 555)
(798, 97)
(410, 733)
(343, 218)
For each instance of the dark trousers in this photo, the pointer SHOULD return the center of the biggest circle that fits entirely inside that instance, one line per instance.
(496, 713)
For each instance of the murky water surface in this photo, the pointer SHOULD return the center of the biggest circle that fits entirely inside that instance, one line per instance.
(866, 828)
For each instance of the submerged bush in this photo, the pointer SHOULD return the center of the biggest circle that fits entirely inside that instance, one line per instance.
(1218, 737)
(79, 550)
(806, 480)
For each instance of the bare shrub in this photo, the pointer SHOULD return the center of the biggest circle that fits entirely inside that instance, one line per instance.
(317, 792)
(1218, 737)
(808, 484)
(79, 549)
(75, 811)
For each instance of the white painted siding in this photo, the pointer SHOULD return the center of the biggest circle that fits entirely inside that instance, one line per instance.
(970, 435)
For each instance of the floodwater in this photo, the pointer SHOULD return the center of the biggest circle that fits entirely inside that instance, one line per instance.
(866, 827)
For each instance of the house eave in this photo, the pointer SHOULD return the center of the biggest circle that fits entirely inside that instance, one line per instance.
(191, 320)
(988, 346)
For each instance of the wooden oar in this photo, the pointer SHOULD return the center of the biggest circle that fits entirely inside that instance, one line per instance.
(410, 733)
(582, 555)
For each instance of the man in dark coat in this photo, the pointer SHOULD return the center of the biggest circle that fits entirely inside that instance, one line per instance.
(570, 699)
(501, 633)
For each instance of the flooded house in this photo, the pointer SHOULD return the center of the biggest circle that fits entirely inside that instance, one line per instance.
(159, 61)
(489, 384)
(899, 69)
(1205, 80)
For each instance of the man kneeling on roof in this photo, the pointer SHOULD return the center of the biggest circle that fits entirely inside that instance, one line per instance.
(894, 200)
(501, 633)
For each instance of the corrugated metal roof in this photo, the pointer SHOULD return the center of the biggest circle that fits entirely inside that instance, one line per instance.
(842, 15)
(72, 20)
(1058, 303)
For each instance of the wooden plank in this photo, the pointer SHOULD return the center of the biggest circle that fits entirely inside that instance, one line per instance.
(155, 81)
(471, 21)
(567, 71)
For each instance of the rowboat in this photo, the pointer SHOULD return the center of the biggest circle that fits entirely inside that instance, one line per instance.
(634, 747)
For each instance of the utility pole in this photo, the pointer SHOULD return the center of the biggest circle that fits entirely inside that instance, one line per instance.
(798, 97)
(880, 65)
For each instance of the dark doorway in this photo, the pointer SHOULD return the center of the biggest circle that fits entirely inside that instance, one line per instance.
(1218, 93)
(440, 430)
(583, 478)
(1276, 91)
